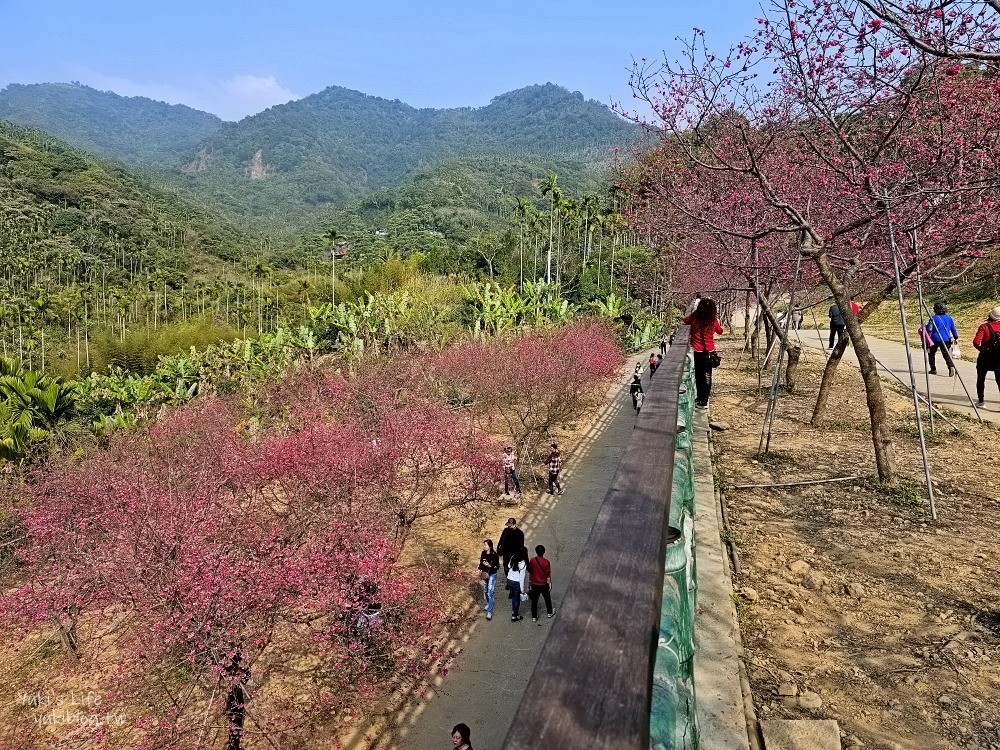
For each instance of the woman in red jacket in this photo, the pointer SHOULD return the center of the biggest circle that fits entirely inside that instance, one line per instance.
(704, 325)
(987, 343)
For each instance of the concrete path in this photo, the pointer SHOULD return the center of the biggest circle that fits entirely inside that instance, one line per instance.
(486, 683)
(947, 392)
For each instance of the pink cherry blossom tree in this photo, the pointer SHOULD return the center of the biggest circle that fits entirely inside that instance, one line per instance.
(210, 603)
(853, 143)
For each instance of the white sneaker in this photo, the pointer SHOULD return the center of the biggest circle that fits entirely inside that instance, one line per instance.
(980, 404)
(489, 615)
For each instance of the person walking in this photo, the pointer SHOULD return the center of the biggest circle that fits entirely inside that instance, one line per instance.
(637, 394)
(540, 583)
(489, 564)
(510, 542)
(942, 331)
(515, 582)
(663, 343)
(555, 466)
(796, 319)
(653, 364)
(987, 343)
(837, 325)
(509, 473)
(461, 737)
(704, 326)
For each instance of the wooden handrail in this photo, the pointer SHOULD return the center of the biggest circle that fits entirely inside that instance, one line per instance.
(592, 686)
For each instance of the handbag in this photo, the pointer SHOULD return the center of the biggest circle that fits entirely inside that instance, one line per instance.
(484, 575)
(956, 353)
(714, 360)
(524, 597)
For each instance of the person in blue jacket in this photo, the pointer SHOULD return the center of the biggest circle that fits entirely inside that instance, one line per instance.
(942, 331)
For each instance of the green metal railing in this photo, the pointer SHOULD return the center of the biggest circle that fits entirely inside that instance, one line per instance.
(672, 723)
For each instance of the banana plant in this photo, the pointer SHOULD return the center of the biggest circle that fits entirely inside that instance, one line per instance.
(611, 307)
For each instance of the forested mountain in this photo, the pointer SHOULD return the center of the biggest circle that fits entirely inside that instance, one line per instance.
(287, 162)
(55, 199)
(286, 165)
(132, 129)
(441, 208)
(85, 246)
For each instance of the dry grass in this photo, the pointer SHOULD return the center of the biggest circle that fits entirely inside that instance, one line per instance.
(907, 656)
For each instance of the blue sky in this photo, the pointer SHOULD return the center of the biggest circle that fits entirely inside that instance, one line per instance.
(238, 58)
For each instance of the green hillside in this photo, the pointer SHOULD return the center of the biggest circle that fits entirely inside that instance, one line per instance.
(289, 162)
(131, 129)
(85, 246)
(281, 168)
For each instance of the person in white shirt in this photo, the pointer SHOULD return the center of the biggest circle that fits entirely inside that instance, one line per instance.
(515, 582)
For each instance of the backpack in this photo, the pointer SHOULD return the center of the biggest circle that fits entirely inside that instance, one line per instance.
(991, 350)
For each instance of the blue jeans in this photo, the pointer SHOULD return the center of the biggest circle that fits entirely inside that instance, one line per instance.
(515, 597)
(488, 589)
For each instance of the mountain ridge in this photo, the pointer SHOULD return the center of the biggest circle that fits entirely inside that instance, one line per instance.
(147, 132)
(279, 168)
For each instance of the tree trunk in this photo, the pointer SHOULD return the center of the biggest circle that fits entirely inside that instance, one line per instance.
(773, 328)
(236, 698)
(885, 461)
(837, 354)
(794, 353)
(826, 384)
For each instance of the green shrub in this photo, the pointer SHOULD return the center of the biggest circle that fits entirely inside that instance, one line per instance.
(141, 349)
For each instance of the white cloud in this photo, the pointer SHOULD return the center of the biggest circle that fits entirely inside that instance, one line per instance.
(230, 99)
(256, 93)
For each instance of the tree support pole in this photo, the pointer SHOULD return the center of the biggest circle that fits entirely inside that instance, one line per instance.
(909, 363)
(923, 339)
(899, 380)
(765, 443)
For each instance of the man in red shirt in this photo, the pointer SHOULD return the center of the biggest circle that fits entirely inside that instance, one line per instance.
(540, 582)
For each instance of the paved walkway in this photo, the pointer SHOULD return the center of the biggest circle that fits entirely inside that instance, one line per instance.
(485, 685)
(947, 392)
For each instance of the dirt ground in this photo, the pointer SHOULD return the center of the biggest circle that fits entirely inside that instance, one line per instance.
(854, 604)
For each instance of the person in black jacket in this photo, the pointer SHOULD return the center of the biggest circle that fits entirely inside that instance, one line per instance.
(634, 389)
(510, 543)
(489, 564)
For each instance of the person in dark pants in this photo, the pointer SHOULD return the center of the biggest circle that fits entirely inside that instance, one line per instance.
(704, 326)
(663, 343)
(516, 585)
(634, 390)
(509, 472)
(653, 364)
(942, 331)
(987, 343)
(837, 325)
(540, 582)
(489, 564)
(510, 543)
(555, 466)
